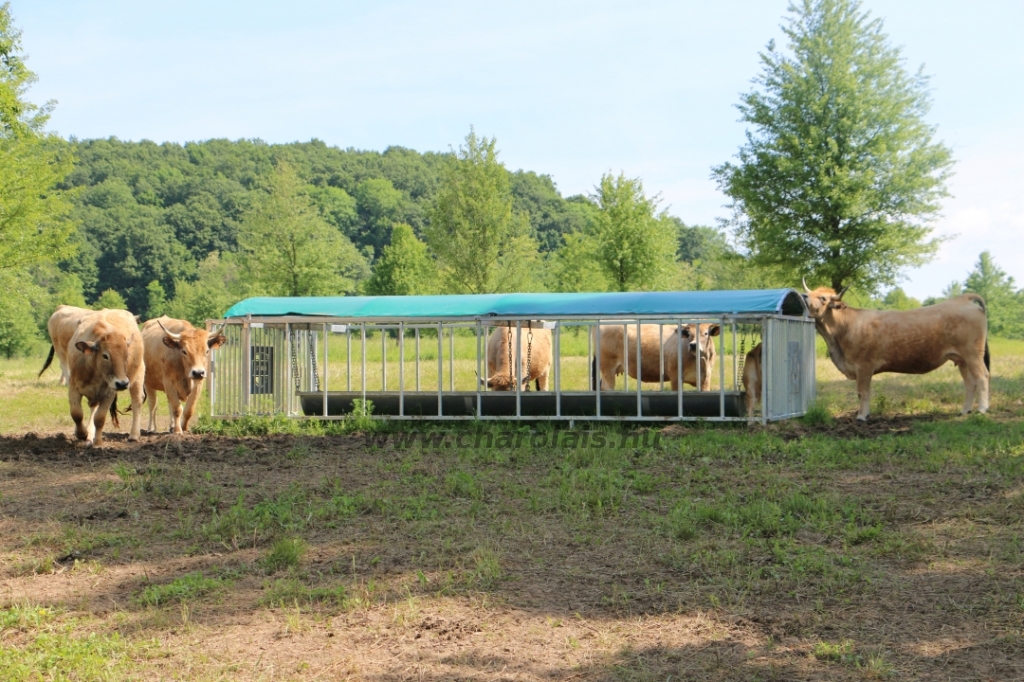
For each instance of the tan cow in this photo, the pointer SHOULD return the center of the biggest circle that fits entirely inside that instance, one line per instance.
(615, 360)
(863, 343)
(62, 326)
(539, 351)
(693, 346)
(104, 356)
(177, 359)
(752, 378)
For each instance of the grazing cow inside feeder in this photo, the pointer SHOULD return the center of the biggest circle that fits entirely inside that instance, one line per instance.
(752, 379)
(694, 345)
(534, 357)
(62, 326)
(177, 359)
(863, 343)
(105, 356)
(616, 360)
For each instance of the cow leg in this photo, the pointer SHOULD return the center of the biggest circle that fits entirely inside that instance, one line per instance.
(864, 393)
(75, 399)
(151, 401)
(542, 382)
(190, 404)
(174, 402)
(705, 375)
(97, 420)
(976, 381)
(137, 392)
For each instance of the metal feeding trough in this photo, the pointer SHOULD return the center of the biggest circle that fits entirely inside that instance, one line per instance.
(423, 357)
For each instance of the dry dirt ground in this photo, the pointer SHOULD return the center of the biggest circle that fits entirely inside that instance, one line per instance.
(839, 552)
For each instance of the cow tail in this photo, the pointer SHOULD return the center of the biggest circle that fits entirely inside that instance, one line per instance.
(49, 359)
(988, 358)
(113, 412)
(593, 374)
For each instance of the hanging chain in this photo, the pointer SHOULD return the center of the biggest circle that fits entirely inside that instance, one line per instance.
(312, 360)
(511, 378)
(743, 353)
(295, 363)
(529, 351)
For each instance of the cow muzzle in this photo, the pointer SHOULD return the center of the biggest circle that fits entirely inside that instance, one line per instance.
(199, 374)
(121, 384)
(693, 346)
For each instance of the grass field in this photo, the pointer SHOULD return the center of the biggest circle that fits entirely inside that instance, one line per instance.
(277, 550)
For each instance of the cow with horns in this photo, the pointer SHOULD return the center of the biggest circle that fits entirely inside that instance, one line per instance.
(863, 343)
(177, 359)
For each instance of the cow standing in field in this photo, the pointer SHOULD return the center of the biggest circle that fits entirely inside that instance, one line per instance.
(694, 345)
(616, 360)
(177, 358)
(752, 378)
(863, 343)
(62, 326)
(104, 356)
(536, 367)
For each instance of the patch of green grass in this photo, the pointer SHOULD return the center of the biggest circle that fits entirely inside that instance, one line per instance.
(284, 554)
(290, 591)
(835, 652)
(461, 483)
(185, 588)
(817, 415)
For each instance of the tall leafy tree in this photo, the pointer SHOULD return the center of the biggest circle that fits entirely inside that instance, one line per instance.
(1005, 304)
(34, 225)
(288, 249)
(840, 173)
(482, 245)
(635, 246)
(404, 267)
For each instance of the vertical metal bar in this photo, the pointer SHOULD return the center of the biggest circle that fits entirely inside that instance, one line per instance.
(721, 367)
(735, 359)
(417, 359)
(362, 358)
(440, 366)
(625, 357)
(246, 362)
(639, 373)
(384, 359)
(519, 368)
(479, 399)
(451, 359)
(327, 337)
(401, 369)
(661, 357)
(597, 364)
(766, 361)
(558, 368)
(348, 358)
(679, 365)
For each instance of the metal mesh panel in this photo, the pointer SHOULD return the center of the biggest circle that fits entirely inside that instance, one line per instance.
(789, 382)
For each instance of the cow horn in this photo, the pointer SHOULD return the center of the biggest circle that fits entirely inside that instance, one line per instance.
(176, 337)
(806, 288)
(842, 291)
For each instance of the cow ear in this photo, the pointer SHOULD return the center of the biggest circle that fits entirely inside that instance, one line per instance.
(85, 347)
(686, 333)
(216, 341)
(171, 343)
(836, 304)
(714, 330)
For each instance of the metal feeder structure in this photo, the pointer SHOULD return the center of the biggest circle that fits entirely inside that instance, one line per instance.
(308, 357)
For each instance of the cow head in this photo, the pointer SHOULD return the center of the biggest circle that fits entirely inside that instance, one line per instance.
(503, 382)
(701, 344)
(193, 347)
(108, 356)
(822, 300)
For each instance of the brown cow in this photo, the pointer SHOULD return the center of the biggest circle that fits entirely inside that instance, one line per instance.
(539, 350)
(863, 343)
(62, 326)
(177, 357)
(752, 378)
(615, 360)
(693, 346)
(104, 356)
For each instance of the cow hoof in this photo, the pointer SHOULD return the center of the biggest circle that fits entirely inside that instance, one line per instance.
(133, 439)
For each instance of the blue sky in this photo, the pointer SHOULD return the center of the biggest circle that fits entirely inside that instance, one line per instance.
(571, 89)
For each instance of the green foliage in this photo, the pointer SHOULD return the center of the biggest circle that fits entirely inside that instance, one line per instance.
(110, 299)
(284, 553)
(288, 249)
(1005, 305)
(574, 268)
(404, 267)
(18, 327)
(840, 173)
(634, 247)
(481, 243)
(216, 288)
(157, 300)
(897, 299)
(185, 588)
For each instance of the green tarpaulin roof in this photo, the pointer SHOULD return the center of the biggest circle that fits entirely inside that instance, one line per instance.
(785, 301)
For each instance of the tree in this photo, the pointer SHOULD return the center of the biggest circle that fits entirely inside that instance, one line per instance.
(18, 328)
(217, 287)
(34, 225)
(897, 299)
(482, 245)
(1004, 304)
(634, 247)
(110, 299)
(288, 249)
(156, 300)
(404, 267)
(839, 176)
(573, 268)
